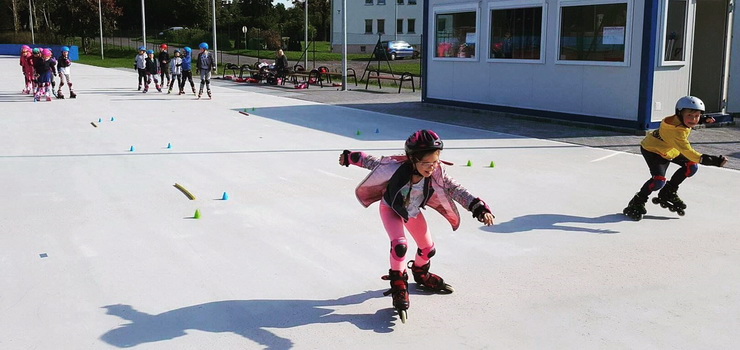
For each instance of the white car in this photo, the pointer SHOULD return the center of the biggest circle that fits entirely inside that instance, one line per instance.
(171, 29)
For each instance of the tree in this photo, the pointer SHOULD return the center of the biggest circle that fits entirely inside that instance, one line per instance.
(80, 18)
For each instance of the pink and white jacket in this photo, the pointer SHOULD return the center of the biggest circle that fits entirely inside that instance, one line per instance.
(390, 173)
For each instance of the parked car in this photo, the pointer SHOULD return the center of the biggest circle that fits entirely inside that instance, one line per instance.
(170, 29)
(396, 49)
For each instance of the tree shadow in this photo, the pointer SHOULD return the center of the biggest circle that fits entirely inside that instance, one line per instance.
(552, 221)
(247, 318)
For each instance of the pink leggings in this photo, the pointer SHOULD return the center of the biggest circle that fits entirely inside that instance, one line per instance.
(417, 227)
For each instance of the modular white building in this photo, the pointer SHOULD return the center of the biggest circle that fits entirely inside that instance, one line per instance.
(615, 62)
(368, 19)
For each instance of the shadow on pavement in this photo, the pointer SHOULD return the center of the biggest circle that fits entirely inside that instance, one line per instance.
(552, 222)
(247, 318)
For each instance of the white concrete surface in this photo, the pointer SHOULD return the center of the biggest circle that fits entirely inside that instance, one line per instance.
(292, 260)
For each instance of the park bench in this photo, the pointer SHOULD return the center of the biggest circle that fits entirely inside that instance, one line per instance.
(406, 76)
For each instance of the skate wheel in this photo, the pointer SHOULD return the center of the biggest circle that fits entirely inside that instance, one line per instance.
(663, 205)
(681, 212)
(671, 209)
(448, 289)
(402, 315)
(656, 200)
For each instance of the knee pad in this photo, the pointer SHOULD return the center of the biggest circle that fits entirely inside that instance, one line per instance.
(691, 168)
(61, 84)
(657, 182)
(398, 249)
(426, 252)
(208, 81)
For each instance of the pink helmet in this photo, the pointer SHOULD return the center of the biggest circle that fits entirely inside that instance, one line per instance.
(25, 48)
(46, 53)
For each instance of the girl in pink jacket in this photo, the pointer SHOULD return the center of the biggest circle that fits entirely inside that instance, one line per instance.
(27, 67)
(404, 185)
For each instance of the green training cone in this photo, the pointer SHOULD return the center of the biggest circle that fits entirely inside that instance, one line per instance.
(197, 214)
(470, 163)
(358, 132)
(493, 165)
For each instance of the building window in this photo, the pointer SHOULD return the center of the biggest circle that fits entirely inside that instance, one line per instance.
(455, 34)
(368, 2)
(368, 26)
(381, 2)
(411, 2)
(399, 2)
(381, 26)
(593, 32)
(399, 26)
(363, 48)
(516, 33)
(675, 30)
(411, 25)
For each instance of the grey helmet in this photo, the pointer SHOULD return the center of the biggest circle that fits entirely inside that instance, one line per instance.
(689, 102)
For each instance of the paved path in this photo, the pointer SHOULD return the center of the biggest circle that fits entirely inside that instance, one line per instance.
(99, 250)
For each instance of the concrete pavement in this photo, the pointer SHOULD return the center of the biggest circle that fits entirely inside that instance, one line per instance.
(99, 250)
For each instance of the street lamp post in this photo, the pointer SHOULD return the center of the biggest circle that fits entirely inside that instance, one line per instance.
(30, 20)
(344, 45)
(215, 45)
(306, 35)
(100, 15)
(143, 24)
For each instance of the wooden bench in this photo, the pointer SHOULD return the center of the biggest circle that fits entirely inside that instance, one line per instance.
(406, 76)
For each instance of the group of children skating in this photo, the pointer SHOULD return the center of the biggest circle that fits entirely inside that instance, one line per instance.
(404, 184)
(39, 69)
(178, 67)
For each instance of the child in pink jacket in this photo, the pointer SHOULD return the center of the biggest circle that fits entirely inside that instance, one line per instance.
(404, 185)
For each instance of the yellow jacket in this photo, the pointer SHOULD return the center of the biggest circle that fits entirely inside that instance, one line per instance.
(671, 140)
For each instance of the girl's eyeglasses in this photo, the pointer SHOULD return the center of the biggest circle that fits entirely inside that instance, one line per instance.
(428, 164)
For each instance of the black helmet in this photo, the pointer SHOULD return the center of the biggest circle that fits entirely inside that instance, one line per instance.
(423, 140)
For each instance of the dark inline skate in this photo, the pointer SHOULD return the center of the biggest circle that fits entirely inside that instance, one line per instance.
(60, 94)
(427, 280)
(668, 198)
(399, 292)
(636, 208)
(72, 94)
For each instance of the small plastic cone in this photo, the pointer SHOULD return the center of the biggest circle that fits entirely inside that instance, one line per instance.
(225, 196)
(197, 214)
(100, 120)
(169, 145)
(358, 132)
(493, 165)
(377, 131)
(470, 163)
(112, 118)
(132, 149)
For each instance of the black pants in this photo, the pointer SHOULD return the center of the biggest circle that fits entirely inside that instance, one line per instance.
(164, 70)
(659, 166)
(179, 81)
(187, 75)
(142, 76)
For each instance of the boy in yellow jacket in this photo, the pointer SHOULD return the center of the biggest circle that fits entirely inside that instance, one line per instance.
(670, 144)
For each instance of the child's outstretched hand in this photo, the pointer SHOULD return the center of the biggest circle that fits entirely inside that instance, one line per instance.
(487, 219)
(344, 158)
